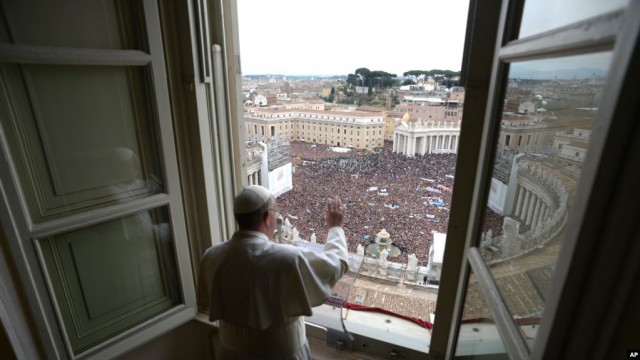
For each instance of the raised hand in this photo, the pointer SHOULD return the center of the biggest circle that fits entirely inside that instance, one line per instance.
(335, 212)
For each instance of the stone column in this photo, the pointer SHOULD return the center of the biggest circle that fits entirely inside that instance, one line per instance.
(525, 205)
(536, 213)
(411, 146)
(521, 191)
(543, 213)
(532, 204)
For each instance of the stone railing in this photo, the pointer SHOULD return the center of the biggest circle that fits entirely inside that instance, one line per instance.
(370, 267)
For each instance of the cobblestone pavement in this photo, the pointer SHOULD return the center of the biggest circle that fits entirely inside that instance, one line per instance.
(408, 300)
(523, 283)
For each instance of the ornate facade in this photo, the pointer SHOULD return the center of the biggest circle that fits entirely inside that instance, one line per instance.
(426, 137)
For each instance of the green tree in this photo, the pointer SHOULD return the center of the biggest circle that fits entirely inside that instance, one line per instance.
(364, 76)
(352, 79)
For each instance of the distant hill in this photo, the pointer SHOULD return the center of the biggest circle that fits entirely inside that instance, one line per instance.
(262, 76)
(579, 73)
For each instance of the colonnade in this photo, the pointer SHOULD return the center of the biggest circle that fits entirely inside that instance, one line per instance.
(254, 178)
(531, 209)
(424, 144)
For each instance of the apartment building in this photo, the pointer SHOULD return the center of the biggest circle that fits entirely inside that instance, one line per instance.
(430, 108)
(523, 133)
(391, 119)
(360, 130)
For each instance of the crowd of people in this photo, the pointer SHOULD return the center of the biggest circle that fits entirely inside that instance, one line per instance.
(409, 197)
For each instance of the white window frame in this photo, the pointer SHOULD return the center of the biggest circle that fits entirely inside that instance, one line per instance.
(20, 232)
(560, 321)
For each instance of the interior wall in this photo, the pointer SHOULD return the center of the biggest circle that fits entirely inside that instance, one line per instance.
(192, 340)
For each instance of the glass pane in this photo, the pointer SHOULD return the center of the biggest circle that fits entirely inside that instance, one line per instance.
(478, 335)
(83, 137)
(112, 276)
(542, 15)
(542, 145)
(88, 24)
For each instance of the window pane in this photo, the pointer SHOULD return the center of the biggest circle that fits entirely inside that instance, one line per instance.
(539, 16)
(534, 181)
(82, 137)
(478, 335)
(112, 276)
(89, 24)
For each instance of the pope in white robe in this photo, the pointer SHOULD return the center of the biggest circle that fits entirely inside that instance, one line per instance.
(259, 290)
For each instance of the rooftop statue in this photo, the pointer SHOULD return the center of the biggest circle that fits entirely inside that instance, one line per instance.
(382, 260)
(360, 250)
(412, 263)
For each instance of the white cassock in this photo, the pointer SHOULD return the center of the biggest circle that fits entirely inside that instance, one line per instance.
(259, 290)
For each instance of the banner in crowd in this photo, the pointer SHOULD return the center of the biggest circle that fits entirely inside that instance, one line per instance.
(281, 179)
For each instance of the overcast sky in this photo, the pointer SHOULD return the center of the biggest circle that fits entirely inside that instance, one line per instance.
(335, 37)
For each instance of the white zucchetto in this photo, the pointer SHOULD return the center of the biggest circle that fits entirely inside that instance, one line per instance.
(250, 199)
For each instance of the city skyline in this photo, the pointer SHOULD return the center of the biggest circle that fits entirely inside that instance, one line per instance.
(289, 37)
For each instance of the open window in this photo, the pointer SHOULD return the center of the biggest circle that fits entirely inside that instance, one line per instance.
(517, 286)
(524, 153)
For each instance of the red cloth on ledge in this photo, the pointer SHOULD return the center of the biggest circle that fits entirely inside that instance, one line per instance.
(420, 322)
